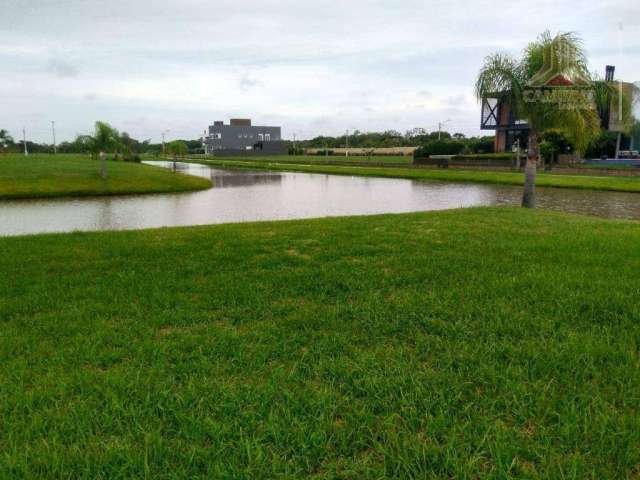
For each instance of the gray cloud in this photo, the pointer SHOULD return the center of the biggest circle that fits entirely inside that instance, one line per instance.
(247, 83)
(61, 68)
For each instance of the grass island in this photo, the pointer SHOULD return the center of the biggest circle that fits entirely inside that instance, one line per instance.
(38, 176)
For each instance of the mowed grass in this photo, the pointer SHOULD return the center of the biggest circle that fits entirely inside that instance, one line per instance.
(399, 160)
(588, 182)
(480, 343)
(364, 159)
(78, 175)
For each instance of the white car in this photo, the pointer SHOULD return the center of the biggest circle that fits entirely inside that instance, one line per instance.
(629, 154)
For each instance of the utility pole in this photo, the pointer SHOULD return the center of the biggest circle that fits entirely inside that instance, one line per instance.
(440, 124)
(53, 131)
(620, 93)
(163, 133)
(347, 142)
(295, 152)
(24, 141)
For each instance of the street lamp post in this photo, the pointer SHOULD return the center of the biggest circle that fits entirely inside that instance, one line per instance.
(163, 134)
(53, 131)
(440, 124)
(24, 141)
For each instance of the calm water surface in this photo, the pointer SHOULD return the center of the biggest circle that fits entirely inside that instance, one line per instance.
(240, 196)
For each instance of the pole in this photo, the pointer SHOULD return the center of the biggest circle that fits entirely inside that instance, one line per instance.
(24, 141)
(53, 130)
(347, 143)
(163, 144)
(440, 124)
(295, 152)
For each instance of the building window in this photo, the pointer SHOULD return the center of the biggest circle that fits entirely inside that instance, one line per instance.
(260, 137)
(267, 137)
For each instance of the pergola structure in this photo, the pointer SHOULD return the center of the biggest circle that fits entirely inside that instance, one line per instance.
(499, 115)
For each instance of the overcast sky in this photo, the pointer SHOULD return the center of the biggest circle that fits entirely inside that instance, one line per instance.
(312, 67)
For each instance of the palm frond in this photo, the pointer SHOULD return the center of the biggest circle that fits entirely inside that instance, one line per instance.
(500, 75)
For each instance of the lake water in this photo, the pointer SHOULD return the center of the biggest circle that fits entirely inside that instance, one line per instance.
(240, 196)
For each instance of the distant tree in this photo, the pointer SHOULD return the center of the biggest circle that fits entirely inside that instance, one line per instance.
(555, 143)
(459, 136)
(635, 135)
(82, 143)
(130, 147)
(480, 144)
(194, 146)
(6, 141)
(440, 147)
(177, 148)
(604, 145)
(439, 135)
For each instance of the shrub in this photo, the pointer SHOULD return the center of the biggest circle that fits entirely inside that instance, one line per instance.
(440, 147)
(603, 146)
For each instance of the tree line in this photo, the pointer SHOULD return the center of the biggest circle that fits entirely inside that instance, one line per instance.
(119, 143)
(451, 143)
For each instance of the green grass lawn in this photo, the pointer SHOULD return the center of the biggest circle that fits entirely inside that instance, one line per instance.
(78, 175)
(606, 166)
(589, 182)
(322, 159)
(480, 343)
(374, 159)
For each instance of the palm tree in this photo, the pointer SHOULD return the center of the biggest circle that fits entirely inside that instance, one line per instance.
(177, 148)
(565, 102)
(105, 139)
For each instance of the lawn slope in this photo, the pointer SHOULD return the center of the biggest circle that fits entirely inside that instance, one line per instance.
(77, 175)
(589, 182)
(484, 343)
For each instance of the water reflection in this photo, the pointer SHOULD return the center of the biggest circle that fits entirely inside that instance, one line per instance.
(262, 195)
(224, 178)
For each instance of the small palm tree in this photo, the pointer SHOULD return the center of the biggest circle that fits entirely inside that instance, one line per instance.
(177, 148)
(549, 62)
(105, 139)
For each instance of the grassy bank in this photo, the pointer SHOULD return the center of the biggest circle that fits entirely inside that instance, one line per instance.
(462, 344)
(78, 175)
(589, 182)
(397, 160)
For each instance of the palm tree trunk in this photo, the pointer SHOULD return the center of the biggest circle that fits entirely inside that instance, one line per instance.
(103, 165)
(529, 194)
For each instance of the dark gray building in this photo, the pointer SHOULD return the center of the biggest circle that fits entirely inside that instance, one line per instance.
(240, 137)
